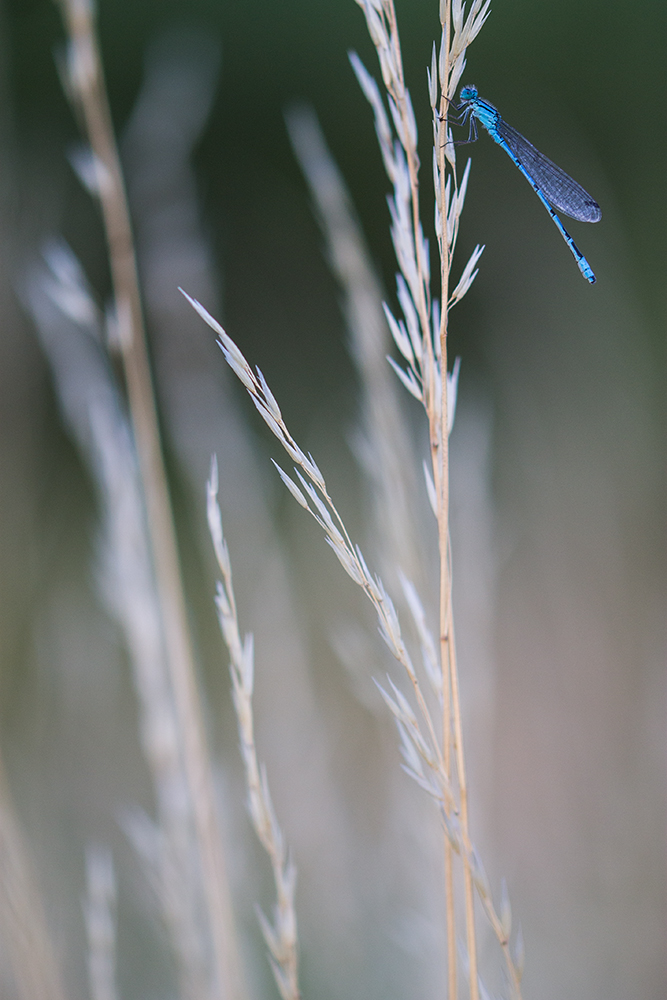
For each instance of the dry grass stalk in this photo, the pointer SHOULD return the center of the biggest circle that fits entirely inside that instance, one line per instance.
(420, 744)
(425, 347)
(85, 84)
(281, 938)
(437, 764)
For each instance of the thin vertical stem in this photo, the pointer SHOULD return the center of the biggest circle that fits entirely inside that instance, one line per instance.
(87, 82)
(443, 520)
(463, 799)
(451, 699)
(449, 853)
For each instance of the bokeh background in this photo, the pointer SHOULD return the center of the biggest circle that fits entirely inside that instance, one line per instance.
(558, 488)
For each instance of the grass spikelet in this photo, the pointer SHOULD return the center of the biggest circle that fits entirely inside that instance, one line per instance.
(281, 935)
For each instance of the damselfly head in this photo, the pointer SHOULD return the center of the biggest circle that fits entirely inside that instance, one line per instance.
(468, 93)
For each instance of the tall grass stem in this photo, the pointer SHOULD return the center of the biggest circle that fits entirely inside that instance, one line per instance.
(86, 85)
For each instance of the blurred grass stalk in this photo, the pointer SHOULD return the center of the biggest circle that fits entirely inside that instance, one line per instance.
(382, 445)
(85, 86)
(100, 920)
(25, 932)
(71, 334)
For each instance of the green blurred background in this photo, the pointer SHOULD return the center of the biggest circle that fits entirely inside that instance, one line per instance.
(568, 379)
